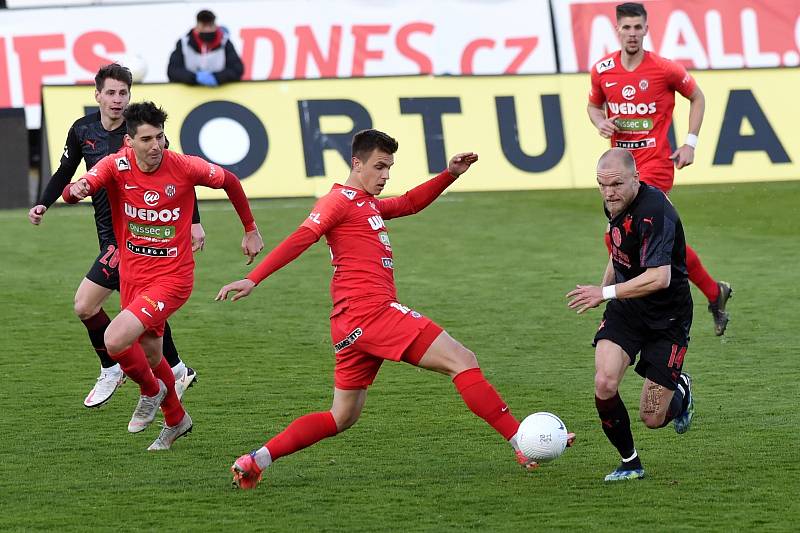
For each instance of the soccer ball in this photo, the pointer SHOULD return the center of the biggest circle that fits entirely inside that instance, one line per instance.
(136, 64)
(542, 437)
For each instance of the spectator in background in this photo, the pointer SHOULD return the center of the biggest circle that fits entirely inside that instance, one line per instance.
(205, 55)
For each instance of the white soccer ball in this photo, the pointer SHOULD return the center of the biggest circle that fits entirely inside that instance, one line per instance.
(136, 64)
(542, 437)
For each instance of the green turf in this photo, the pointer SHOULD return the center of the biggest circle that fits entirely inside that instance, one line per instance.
(493, 270)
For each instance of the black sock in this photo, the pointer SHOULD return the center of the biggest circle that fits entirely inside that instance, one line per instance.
(677, 405)
(616, 424)
(96, 327)
(170, 352)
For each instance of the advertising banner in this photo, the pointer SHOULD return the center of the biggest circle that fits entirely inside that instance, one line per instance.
(292, 138)
(280, 39)
(702, 34)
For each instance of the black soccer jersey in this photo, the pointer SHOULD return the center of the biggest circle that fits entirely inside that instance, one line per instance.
(649, 234)
(87, 139)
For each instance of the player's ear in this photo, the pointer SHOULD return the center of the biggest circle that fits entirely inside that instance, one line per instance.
(355, 164)
(128, 141)
(97, 96)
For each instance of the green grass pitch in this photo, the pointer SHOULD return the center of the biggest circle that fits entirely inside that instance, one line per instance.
(493, 270)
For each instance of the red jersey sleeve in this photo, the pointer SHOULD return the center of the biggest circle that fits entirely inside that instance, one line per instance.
(99, 176)
(596, 95)
(417, 198)
(203, 172)
(678, 79)
(327, 213)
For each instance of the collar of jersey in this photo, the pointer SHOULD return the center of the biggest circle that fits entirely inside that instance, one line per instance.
(359, 192)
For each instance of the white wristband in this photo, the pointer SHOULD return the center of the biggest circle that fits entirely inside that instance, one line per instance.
(691, 140)
(609, 292)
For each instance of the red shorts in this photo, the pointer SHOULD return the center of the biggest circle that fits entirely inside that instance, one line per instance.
(363, 337)
(154, 303)
(660, 177)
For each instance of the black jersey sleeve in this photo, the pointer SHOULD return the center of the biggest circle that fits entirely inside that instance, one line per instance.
(70, 160)
(196, 212)
(658, 238)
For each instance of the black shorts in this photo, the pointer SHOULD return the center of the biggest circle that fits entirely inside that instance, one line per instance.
(105, 269)
(662, 350)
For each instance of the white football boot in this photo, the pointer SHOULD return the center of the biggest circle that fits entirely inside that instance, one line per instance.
(170, 434)
(110, 378)
(186, 380)
(146, 409)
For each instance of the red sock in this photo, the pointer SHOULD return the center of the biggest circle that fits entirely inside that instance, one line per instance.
(302, 433)
(171, 406)
(700, 276)
(134, 364)
(483, 400)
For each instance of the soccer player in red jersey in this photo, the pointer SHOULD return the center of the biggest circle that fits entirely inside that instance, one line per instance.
(151, 193)
(631, 102)
(368, 324)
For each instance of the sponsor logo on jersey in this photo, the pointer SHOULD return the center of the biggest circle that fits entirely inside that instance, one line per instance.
(169, 190)
(151, 198)
(123, 163)
(643, 85)
(387, 262)
(129, 187)
(152, 232)
(360, 204)
(634, 124)
(628, 92)
(629, 108)
(211, 170)
(151, 252)
(616, 236)
(314, 217)
(603, 66)
(348, 341)
(384, 237)
(349, 193)
(400, 307)
(376, 222)
(636, 145)
(151, 215)
(91, 143)
(610, 84)
(66, 152)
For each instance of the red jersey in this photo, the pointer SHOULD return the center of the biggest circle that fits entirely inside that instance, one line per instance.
(642, 100)
(152, 212)
(352, 221)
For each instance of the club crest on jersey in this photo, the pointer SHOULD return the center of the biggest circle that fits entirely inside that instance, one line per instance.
(616, 236)
(151, 198)
(123, 163)
(628, 92)
(603, 66)
(643, 85)
(169, 190)
(349, 193)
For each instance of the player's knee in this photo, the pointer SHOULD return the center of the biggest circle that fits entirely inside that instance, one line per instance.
(345, 419)
(85, 310)
(115, 343)
(605, 386)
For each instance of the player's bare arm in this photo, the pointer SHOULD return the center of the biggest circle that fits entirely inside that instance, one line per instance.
(606, 126)
(653, 279)
(608, 275)
(460, 163)
(684, 156)
(198, 237)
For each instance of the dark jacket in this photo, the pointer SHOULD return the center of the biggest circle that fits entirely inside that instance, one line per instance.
(191, 55)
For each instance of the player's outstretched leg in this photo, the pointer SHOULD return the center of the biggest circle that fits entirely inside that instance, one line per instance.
(169, 434)
(717, 307)
(617, 427)
(301, 433)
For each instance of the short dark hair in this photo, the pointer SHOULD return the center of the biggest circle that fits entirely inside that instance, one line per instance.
(143, 113)
(206, 17)
(367, 141)
(631, 9)
(115, 71)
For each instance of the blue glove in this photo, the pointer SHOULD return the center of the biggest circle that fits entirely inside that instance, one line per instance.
(206, 78)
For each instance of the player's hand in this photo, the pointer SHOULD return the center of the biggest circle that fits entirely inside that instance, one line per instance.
(36, 213)
(242, 288)
(460, 163)
(585, 297)
(198, 237)
(252, 244)
(79, 189)
(683, 156)
(608, 127)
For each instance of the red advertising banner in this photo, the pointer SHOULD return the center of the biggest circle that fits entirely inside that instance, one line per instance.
(703, 34)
